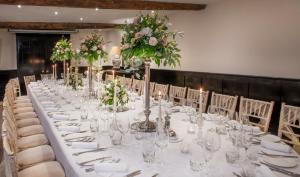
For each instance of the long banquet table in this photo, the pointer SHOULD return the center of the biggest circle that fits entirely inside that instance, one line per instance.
(175, 163)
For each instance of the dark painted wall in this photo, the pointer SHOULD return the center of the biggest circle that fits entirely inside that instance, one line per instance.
(262, 88)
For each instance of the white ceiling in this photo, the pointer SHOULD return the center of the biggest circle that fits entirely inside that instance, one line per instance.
(46, 14)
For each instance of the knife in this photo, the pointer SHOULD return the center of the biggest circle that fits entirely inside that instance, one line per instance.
(135, 173)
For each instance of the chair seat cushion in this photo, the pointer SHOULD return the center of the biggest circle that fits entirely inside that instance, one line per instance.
(32, 141)
(35, 155)
(22, 97)
(26, 115)
(30, 130)
(27, 122)
(21, 105)
(22, 101)
(45, 169)
(23, 110)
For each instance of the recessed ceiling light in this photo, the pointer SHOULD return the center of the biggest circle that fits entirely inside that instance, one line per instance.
(96, 9)
(81, 19)
(55, 13)
(19, 6)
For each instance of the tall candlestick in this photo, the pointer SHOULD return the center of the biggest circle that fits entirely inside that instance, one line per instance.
(159, 106)
(115, 96)
(200, 102)
(68, 75)
(53, 72)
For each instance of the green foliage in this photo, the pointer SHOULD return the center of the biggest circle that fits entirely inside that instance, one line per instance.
(62, 51)
(148, 37)
(107, 95)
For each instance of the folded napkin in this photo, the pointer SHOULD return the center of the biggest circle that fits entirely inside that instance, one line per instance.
(84, 145)
(60, 116)
(50, 108)
(276, 146)
(252, 128)
(110, 167)
(74, 129)
(264, 171)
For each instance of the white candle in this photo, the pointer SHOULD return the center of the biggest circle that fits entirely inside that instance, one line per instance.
(113, 72)
(159, 106)
(115, 96)
(53, 72)
(200, 102)
(68, 75)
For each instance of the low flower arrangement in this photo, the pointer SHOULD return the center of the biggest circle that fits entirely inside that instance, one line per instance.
(107, 95)
(72, 81)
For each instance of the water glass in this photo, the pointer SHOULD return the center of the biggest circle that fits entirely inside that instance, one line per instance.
(148, 149)
(84, 115)
(197, 159)
(232, 155)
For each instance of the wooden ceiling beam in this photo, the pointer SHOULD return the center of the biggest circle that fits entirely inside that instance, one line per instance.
(109, 4)
(54, 26)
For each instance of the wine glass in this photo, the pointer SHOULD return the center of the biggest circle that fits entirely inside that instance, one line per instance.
(123, 125)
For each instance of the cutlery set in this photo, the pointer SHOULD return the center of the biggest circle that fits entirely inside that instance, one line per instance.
(278, 169)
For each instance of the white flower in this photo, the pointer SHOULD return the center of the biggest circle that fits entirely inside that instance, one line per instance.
(153, 41)
(94, 48)
(146, 31)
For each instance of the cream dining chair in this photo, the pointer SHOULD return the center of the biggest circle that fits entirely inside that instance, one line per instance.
(161, 88)
(289, 122)
(223, 102)
(177, 94)
(27, 80)
(137, 86)
(192, 98)
(257, 112)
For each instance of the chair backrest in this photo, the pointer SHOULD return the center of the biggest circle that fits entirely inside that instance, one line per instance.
(9, 156)
(28, 79)
(127, 82)
(152, 85)
(289, 122)
(16, 84)
(193, 97)
(259, 112)
(46, 76)
(109, 77)
(162, 88)
(137, 85)
(177, 94)
(225, 102)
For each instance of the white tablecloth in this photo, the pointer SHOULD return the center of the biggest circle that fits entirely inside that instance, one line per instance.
(175, 163)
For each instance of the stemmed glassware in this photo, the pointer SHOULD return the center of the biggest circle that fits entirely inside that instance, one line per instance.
(162, 141)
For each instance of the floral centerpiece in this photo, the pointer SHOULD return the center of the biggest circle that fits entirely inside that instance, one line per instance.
(62, 50)
(91, 48)
(72, 81)
(107, 95)
(149, 38)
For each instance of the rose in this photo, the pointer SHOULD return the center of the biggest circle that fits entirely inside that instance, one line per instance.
(94, 48)
(125, 46)
(153, 41)
(138, 35)
(146, 31)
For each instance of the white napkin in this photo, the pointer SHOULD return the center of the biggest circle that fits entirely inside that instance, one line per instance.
(276, 146)
(84, 145)
(264, 171)
(110, 167)
(60, 116)
(251, 128)
(50, 108)
(74, 129)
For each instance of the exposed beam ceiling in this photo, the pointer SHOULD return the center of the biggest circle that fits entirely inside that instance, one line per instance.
(54, 26)
(109, 4)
